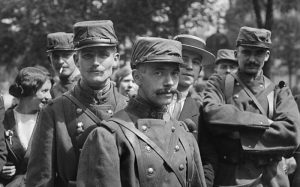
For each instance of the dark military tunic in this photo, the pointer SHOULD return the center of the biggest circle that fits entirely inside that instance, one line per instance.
(296, 175)
(248, 147)
(63, 86)
(61, 131)
(111, 158)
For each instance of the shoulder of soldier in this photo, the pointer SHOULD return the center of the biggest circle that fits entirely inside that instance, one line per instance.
(112, 124)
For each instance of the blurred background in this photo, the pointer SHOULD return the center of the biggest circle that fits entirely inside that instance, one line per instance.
(24, 25)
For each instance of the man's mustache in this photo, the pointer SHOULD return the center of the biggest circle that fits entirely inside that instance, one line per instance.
(166, 91)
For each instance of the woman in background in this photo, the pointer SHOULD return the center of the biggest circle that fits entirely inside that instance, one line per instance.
(32, 89)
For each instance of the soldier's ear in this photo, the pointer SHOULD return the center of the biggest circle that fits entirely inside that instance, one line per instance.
(116, 59)
(267, 56)
(235, 53)
(137, 76)
(75, 57)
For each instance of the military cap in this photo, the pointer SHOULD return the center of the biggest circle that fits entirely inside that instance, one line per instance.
(94, 33)
(197, 45)
(152, 49)
(254, 37)
(59, 41)
(226, 54)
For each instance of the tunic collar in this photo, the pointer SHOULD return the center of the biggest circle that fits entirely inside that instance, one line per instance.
(94, 96)
(143, 109)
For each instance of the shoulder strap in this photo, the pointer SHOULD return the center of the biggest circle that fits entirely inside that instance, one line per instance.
(229, 86)
(86, 110)
(157, 149)
(250, 94)
(270, 97)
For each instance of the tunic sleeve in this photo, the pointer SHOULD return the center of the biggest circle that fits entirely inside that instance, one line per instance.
(99, 160)
(40, 171)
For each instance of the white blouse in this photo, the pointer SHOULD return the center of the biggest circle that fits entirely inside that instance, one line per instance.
(25, 124)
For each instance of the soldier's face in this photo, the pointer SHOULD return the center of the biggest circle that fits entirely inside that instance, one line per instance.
(251, 59)
(95, 64)
(190, 72)
(62, 62)
(157, 82)
(226, 67)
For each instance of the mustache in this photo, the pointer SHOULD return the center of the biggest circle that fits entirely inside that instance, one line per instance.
(166, 91)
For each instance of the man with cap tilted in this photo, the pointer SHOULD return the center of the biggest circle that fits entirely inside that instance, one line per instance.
(226, 62)
(253, 121)
(194, 57)
(142, 145)
(64, 124)
(60, 51)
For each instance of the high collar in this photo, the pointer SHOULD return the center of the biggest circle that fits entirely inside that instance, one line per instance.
(247, 79)
(93, 96)
(143, 109)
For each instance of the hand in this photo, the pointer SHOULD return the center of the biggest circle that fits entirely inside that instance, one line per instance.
(8, 172)
(289, 165)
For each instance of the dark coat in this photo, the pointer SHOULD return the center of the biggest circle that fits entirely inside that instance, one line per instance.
(59, 135)
(192, 110)
(296, 175)
(248, 146)
(17, 154)
(112, 158)
(3, 149)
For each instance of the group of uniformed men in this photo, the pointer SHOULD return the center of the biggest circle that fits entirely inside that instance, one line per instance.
(91, 135)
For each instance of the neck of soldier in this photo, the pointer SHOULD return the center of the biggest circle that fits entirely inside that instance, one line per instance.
(70, 78)
(251, 76)
(100, 86)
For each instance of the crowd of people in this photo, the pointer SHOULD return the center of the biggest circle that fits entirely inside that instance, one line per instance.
(149, 124)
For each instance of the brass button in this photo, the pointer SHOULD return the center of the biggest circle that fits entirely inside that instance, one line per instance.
(80, 124)
(150, 170)
(78, 110)
(148, 148)
(261, 122)
(249, 146)
(235, 96)
(181, 167)
(144, 128)
(237, 83)
(261, 85)
(225, 157)
(177, 148)
(109, 111)
(173, 129)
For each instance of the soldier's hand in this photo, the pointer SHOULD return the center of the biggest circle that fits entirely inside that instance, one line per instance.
(8, 172)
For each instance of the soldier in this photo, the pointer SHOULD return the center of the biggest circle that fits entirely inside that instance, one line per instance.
(253, 121)
(226, 62)
(141, 145)
(64, 124)
(60, 51)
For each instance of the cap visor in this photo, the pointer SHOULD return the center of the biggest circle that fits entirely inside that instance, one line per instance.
(253, 45)
(207, 57)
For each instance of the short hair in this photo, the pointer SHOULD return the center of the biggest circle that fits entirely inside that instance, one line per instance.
(28, 81)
